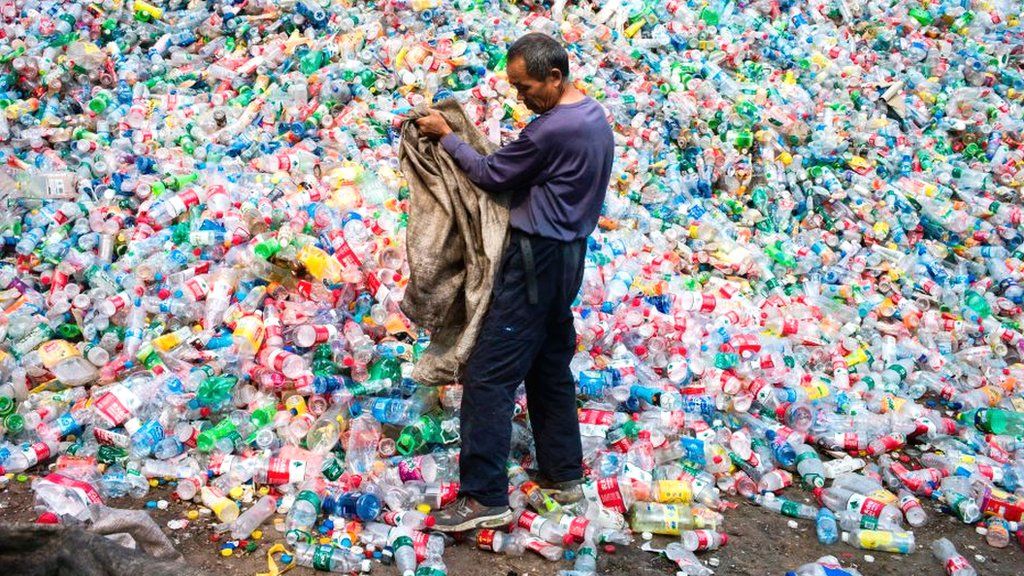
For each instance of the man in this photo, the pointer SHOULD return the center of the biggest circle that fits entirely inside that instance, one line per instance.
(558, 171)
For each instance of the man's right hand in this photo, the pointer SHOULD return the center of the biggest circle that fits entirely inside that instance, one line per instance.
(433, 125)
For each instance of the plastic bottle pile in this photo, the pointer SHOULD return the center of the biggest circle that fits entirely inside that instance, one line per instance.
(811, 249)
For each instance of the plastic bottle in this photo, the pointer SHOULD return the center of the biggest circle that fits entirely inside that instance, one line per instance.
(912, 509)
(881, 540)
(432, 566)
(824, 566)
(787, 507)
(670, 519)
(252, 518)
(826, 527)
(225, 509)
(326, 558)
(953, 562)
(701, 540)
(585, 563)
(402, 548)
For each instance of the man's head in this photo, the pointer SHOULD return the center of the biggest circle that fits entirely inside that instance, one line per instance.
(538, 68)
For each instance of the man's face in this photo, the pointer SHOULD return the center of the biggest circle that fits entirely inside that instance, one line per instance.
(538, 95)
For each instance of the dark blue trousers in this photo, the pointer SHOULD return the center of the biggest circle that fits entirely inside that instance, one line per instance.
(527, 335)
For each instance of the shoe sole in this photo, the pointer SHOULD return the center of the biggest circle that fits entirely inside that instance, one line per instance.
(499, 521)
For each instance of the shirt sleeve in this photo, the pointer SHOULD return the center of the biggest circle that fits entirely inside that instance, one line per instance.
(509, 167)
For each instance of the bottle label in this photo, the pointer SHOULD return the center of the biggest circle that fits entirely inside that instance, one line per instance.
(190, 440)
(323, 332)
(285, 471)
(344, 253)
(332, 469)
(539, 546)
(323, 558)
(576, 526)
(908, 502)
(485, 540)
(956, 563)
(1004, 508)
(274, 358)
(851, 442)
(82, 488)
(874, 539)
(116, 405)
(527, 519)
(806, 455)
(790, 508)
(150, 433)
(250, 328)
(448, 492)
(703, 539)
(402, 541)
(595, 422)
(109, 438)
(56, 351)
(197, 287)
(223, 465)
(673, 491)
(36, 453)
(884, 496)
(608, 492)
(866, 506)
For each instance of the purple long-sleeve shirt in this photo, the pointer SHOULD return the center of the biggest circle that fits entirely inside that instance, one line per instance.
(558, 170)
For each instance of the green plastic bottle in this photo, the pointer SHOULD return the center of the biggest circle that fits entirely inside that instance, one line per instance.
(216, 390)
(999, 421)
(429, 429)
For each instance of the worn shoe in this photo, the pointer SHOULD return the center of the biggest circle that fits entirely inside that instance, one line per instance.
(468, 514)
(565, 493)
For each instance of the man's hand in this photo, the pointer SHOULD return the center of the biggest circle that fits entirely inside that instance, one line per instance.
(433, 125)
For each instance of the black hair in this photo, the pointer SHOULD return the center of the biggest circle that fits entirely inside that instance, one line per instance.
(540, 53)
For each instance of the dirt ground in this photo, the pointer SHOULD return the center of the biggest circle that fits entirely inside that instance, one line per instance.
(761, 543)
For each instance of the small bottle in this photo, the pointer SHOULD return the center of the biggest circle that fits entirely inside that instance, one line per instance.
(881, 540)
(327, 558)
(701, 540)
(826, 526)
(998, 534)
(225, 508)
(402, 547)
(786, 507)
(585, 563)
(432, 566)
(912, 509)
(252, 518)
(954, 562)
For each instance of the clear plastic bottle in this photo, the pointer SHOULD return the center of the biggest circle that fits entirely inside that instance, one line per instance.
(432, 566)
(912, 510)
(224, 508)
(402, 547)
(826, 526)
(253, 518)
(702, 540)
(953, 562)
(881, 540)
(327, 558)
(824, 566)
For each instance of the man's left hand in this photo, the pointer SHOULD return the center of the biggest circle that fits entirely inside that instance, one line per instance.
(433, 125)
